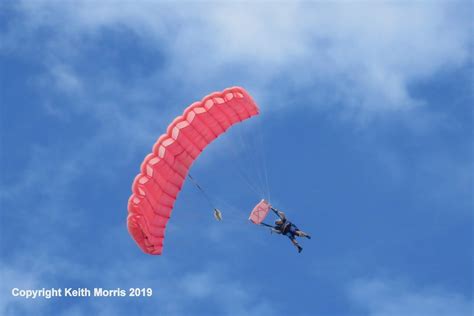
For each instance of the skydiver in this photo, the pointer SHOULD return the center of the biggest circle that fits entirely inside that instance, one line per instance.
(287, 228)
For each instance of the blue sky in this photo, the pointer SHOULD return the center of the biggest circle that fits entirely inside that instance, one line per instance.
(366, 131)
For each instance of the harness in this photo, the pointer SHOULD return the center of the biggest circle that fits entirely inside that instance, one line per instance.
(284, 227)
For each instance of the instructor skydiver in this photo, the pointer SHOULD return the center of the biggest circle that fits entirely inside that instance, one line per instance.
(287, 228)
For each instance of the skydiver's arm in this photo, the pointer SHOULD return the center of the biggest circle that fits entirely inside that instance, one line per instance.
(279, 213)
(282, 215)
(274, 210)
(273, 229)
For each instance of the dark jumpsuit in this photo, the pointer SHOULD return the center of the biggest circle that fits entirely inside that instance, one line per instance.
(287, 228)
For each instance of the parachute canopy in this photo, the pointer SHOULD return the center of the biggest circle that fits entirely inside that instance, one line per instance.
(259, 212)
(163, 171)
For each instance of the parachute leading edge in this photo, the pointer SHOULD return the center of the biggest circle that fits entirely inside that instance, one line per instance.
(259, 212)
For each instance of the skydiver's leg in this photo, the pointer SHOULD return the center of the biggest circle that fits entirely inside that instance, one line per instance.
(296, 231)
(295, 243)
(301, 233)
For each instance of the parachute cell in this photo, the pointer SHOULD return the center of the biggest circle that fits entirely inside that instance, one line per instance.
(163, 171)
(259, 212)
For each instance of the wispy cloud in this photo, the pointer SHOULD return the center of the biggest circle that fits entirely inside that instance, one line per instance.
(9, 305)
(361, 60)
(341, 55)
(196, 292)
(363, 57)
(389, 297)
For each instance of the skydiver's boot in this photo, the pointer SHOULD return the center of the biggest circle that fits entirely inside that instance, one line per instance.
(297, 245)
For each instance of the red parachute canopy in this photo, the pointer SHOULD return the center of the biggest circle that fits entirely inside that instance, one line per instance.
(164, 170)
(259, 212)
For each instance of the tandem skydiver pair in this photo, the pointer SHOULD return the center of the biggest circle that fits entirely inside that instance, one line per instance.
(282, 225)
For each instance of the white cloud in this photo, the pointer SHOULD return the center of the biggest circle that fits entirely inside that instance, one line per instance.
(11, 278)
(233, 297)
(387, 297)
(365, 56)
(174, 293)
